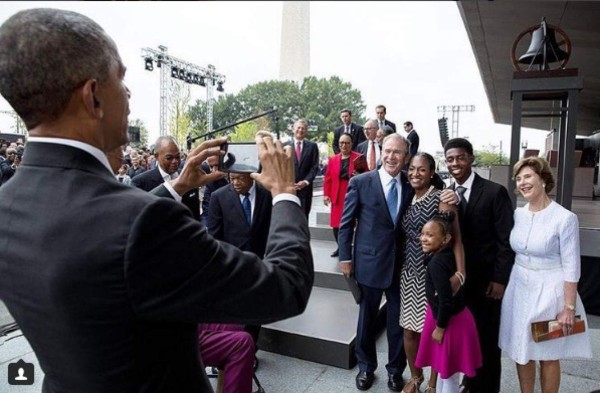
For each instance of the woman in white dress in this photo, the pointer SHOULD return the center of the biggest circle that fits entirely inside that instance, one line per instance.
(543, 282)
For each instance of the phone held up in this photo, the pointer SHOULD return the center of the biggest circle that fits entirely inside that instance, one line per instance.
(239, 157)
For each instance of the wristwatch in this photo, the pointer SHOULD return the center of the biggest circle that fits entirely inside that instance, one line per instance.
(570, 307)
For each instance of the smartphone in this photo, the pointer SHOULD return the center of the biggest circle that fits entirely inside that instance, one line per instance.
(239, 157)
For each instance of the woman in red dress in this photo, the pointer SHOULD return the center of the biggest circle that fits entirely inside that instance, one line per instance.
(340, 169)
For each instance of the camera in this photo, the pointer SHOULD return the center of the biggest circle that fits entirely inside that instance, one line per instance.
(239, 157)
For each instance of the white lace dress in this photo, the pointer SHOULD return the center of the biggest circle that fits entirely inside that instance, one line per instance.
(546, 244)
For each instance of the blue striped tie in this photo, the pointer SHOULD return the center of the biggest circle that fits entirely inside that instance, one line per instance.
(392, 200)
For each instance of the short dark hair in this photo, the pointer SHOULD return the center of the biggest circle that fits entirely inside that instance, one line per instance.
(162, 140)
(45, 54)
(459, 143)
(388, 130)
(346, 110)
(381, 106)
(444, 219)
(539, 166)
(408, 123)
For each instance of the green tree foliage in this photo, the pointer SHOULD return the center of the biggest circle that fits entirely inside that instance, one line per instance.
(317, 100)
(179, 113)
(490, 155)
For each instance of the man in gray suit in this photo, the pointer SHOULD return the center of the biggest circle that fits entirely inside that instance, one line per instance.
(108, 283)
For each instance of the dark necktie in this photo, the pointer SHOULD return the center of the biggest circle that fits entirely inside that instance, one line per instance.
(392, 200)
(298, 150)
(247, 208)
(372, 157)
(347, 131)
(463, 200)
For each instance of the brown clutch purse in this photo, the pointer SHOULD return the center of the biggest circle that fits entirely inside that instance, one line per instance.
(549, 330)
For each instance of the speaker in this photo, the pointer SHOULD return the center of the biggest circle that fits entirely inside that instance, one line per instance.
(134, 134)
(443, 126)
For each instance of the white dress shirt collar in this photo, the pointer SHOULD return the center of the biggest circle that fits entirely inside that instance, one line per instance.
(165, 175)
(468, 184)
(94, 151)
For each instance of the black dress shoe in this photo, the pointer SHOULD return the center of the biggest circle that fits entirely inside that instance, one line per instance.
(395, 382)
(364, 380)
(336, 253)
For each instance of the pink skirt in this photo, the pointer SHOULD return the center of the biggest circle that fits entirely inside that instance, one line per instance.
(459, 350)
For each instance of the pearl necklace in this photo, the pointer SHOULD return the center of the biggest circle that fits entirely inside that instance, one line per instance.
(417, 200)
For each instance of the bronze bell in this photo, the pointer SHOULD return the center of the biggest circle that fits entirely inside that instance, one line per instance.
(543, 35)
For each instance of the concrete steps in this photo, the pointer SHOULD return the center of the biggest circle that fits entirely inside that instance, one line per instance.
(325, 333)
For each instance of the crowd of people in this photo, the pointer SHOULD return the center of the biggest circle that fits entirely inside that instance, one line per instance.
(192, 267)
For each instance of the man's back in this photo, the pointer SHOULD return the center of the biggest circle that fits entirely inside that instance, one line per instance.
(108, 283)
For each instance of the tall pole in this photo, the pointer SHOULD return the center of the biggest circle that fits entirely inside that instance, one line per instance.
(164, 92)
(209, 98)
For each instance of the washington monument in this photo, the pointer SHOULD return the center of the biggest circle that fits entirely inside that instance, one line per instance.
(295, 41)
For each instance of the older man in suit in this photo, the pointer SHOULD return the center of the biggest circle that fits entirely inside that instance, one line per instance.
(370, 148)
(168, 157)
(356, 132)
(377, 200)
(240, 214)
(306, 164)
(112, 282)
(486, 219)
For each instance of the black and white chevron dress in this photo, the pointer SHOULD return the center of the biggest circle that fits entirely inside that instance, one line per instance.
(413, 303)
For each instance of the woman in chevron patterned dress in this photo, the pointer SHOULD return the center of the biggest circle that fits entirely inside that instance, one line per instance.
(413, 304)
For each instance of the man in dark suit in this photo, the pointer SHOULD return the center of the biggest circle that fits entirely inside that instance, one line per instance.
(413, 138)
(168, 157)
(486, 219)
(240, 214)
(381, 111)
(370, 148)
(377, 199)
(356, 132)
(112, 282)
(306, 164)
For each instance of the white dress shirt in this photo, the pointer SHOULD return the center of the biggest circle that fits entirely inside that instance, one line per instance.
(385, 182)
(468, 184)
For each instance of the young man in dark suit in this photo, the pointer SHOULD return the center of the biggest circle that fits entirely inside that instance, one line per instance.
(356, 132)
(381, 111)
(306, 164)
(112, 282)
(168, 157)
(486, 219)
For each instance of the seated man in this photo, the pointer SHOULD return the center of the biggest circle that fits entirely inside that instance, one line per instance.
(230, 349)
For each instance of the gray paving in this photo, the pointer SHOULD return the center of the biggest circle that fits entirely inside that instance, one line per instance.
(281, 374)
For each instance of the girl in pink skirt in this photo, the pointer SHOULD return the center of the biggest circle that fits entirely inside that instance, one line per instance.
(449, 341)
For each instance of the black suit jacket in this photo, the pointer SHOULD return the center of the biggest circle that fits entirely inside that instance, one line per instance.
(357, 133)
(413, 138)
(227, 222)
(151, 179)
(386, 122)
(108, 283)
(485, 230)
(306, 169)
(363, 148)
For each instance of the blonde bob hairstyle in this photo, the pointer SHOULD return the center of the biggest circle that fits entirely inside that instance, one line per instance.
(539, 166)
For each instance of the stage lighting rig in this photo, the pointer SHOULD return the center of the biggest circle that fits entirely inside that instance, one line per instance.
(188, 73)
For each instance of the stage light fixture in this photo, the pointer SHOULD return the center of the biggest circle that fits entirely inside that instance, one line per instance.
(159, 61)
(189, 77)
(149, 64)
(202, 81)
(195, 79)
(174, 72)
(220, 87)
(182, 74)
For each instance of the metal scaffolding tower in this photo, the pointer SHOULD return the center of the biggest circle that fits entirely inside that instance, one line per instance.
(455, 109)
(188, 73)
